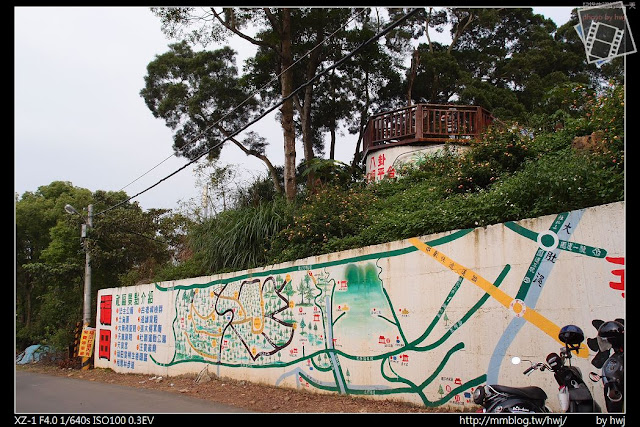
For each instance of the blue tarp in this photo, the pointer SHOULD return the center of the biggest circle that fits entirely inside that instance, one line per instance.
(32, 354)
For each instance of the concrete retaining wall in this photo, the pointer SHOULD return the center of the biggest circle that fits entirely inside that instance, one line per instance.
(423, 320)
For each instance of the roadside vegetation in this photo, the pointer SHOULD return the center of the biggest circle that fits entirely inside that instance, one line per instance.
(513, 172)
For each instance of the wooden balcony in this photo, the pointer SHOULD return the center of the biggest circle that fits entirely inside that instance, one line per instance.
(424, 123)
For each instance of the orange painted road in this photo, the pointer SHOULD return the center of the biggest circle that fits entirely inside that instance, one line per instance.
(517, 306)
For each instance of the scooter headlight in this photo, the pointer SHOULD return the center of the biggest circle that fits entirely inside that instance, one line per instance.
(613, 393)
(478, 395)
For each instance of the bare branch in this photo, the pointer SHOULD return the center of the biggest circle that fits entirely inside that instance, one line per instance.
(232, 27)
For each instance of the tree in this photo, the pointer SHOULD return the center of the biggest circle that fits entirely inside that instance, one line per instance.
(36, 213)
(127, 246)
(313, 41)
(518, 55)
(504, 59)
(372, 77)
(279, 35)
(130, 244)
(403, 37)
(200, 97)
(274, 33)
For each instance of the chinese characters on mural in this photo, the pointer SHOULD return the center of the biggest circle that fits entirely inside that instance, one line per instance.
(137, 329)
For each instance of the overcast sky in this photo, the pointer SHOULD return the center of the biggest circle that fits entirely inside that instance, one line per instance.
(79, 116)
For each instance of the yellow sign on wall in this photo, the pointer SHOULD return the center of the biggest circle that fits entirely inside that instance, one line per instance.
(85, 349)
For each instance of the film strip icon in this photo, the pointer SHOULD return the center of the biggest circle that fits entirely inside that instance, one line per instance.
(603, 40)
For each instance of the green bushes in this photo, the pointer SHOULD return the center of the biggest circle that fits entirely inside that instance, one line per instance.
(238, 239)
(510, 173)
(322, 220)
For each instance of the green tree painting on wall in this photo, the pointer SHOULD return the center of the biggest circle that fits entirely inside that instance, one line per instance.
(352, 309)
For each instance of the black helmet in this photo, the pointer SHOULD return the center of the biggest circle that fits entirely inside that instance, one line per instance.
(610, 334)
(571, 335)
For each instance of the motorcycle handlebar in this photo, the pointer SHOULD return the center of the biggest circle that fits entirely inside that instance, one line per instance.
(539, 365)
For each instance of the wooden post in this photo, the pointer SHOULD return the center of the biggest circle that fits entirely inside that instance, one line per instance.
(367, 136)
(419, 117)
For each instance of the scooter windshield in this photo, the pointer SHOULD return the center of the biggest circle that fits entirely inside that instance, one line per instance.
(603, 344)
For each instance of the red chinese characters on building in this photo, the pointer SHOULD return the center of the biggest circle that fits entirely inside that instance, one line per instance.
(104, 344)
(618, 286)
(378, 170)
(105, 309)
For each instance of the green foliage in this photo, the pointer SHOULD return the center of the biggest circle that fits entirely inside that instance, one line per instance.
(501, 101)
(194, 266)
(502, 149)
(126, 246)
(604, 115)
(321, 221)
(237, 239)
(49, 260)
(331, 172)
(508, 174)
(191, 91)
(561, 181)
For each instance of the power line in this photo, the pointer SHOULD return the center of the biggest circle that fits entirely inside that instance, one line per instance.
(272, 108)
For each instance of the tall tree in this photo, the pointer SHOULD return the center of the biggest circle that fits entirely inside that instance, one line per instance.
(372, 76)
(314, 40)
(403, 40)
(504, 59)
(516, 53)
(274, 32)
(279, 35)
(36, 213)
(201, 98)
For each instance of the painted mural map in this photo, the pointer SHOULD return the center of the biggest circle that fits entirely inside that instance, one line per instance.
(350, 325)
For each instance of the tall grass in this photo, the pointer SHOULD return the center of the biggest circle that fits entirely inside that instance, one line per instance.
(238, 239)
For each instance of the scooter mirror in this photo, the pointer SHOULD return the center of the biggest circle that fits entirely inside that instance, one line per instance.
(515, 360)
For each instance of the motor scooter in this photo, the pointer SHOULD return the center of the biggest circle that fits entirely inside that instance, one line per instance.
(610, 337)
(573, 393)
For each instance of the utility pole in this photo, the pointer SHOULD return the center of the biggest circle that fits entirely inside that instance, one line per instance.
(87, 224)
(86, 312)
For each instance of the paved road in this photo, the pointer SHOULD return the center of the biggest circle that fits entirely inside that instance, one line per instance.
(37, 393)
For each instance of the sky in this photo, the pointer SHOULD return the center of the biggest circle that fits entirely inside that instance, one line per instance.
(78, 115)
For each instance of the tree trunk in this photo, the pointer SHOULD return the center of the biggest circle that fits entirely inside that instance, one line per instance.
(332, 149)
(364, 119)
(413, 71)
(287, 109)
(304, 108)
(307, 141)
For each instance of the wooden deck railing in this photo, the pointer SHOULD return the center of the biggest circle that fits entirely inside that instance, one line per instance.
(425, 123)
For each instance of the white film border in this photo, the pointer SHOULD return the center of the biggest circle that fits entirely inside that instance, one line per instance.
(613, 43)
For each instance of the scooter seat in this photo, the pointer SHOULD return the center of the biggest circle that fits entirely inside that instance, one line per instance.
(530, 392)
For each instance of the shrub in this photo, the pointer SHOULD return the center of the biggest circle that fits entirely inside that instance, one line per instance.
(327, 214)
(238, 239)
